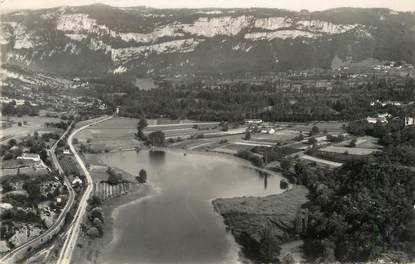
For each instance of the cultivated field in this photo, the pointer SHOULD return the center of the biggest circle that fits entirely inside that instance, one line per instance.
(351, 151)
(119, 133)
(33, 123)
(100, 176)
(106, 191)
(331, 164)
(332, 126)
(69, 165)
(30, 170)
(363, 142)
(364, 146)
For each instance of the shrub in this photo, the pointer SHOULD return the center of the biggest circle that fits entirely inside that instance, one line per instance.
(314, 130)
(300, 137)
(286, 164)
(95, 201)
(93, 232)
(156, 138)
(113, 177)
(283, 184)
(252, 157)
(142, 176)
(247, 135)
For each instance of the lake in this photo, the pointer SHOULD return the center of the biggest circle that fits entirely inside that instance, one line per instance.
(178, 224)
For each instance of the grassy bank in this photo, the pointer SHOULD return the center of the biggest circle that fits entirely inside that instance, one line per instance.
(249, 218)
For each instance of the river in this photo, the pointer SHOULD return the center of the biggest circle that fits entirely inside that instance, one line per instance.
(178, 224)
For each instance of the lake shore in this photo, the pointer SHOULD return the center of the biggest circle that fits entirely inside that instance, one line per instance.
(91, 250)
(248, 217)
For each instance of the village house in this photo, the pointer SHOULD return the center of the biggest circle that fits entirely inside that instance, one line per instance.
(30, 156)
(253, 121)
(77, 181)
(409, 121)
(267, 130)
(66, 152)
(381, 118)
(36, 158)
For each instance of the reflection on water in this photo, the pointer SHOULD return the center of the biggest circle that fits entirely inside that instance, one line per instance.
(265, 181)
(179, 225)
(157, 157)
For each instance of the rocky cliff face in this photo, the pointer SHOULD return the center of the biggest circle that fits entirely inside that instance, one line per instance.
(96, 39)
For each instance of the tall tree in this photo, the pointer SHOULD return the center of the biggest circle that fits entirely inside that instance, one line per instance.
(140, 128)
(156, 138)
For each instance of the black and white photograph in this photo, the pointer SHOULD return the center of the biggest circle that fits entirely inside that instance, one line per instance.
(207, 131)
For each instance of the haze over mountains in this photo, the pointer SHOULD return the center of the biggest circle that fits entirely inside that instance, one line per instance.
(96, 39)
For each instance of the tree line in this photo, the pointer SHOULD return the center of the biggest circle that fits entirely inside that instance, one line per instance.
(364, 209)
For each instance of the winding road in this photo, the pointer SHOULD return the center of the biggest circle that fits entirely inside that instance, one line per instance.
(69, 244)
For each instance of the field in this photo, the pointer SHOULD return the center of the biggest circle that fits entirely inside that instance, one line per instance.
(106, 191)
(283, 136)
(16, 163)
(86, 122)
(328, 163)
(332, 126)
(249, 215)
(351, 151)
(363, 142)
(69, 165)
(119, 133)
(100, 176)
(232, 143)
(32, 171)
(34, 123)
(115, 133)
(364, 146)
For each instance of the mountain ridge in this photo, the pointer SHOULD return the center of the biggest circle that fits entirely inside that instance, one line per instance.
(149, 41)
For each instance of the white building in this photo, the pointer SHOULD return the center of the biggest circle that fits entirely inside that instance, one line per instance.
(253, 121)
(76, 181)
(409, 121)
(30, 156)
(267, 130)
(36, 158)
(381, 118)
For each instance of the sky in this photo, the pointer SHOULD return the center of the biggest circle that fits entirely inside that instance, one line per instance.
(312, 5)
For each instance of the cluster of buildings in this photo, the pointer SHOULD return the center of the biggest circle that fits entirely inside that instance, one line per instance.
(78, 83)
(7, 100)
(384, 119)
(380, 118)
(88, 101)
(46, 92)
(38, 162)
(257, 125)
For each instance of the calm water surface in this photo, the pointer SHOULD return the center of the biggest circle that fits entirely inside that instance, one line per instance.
(179, 225)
